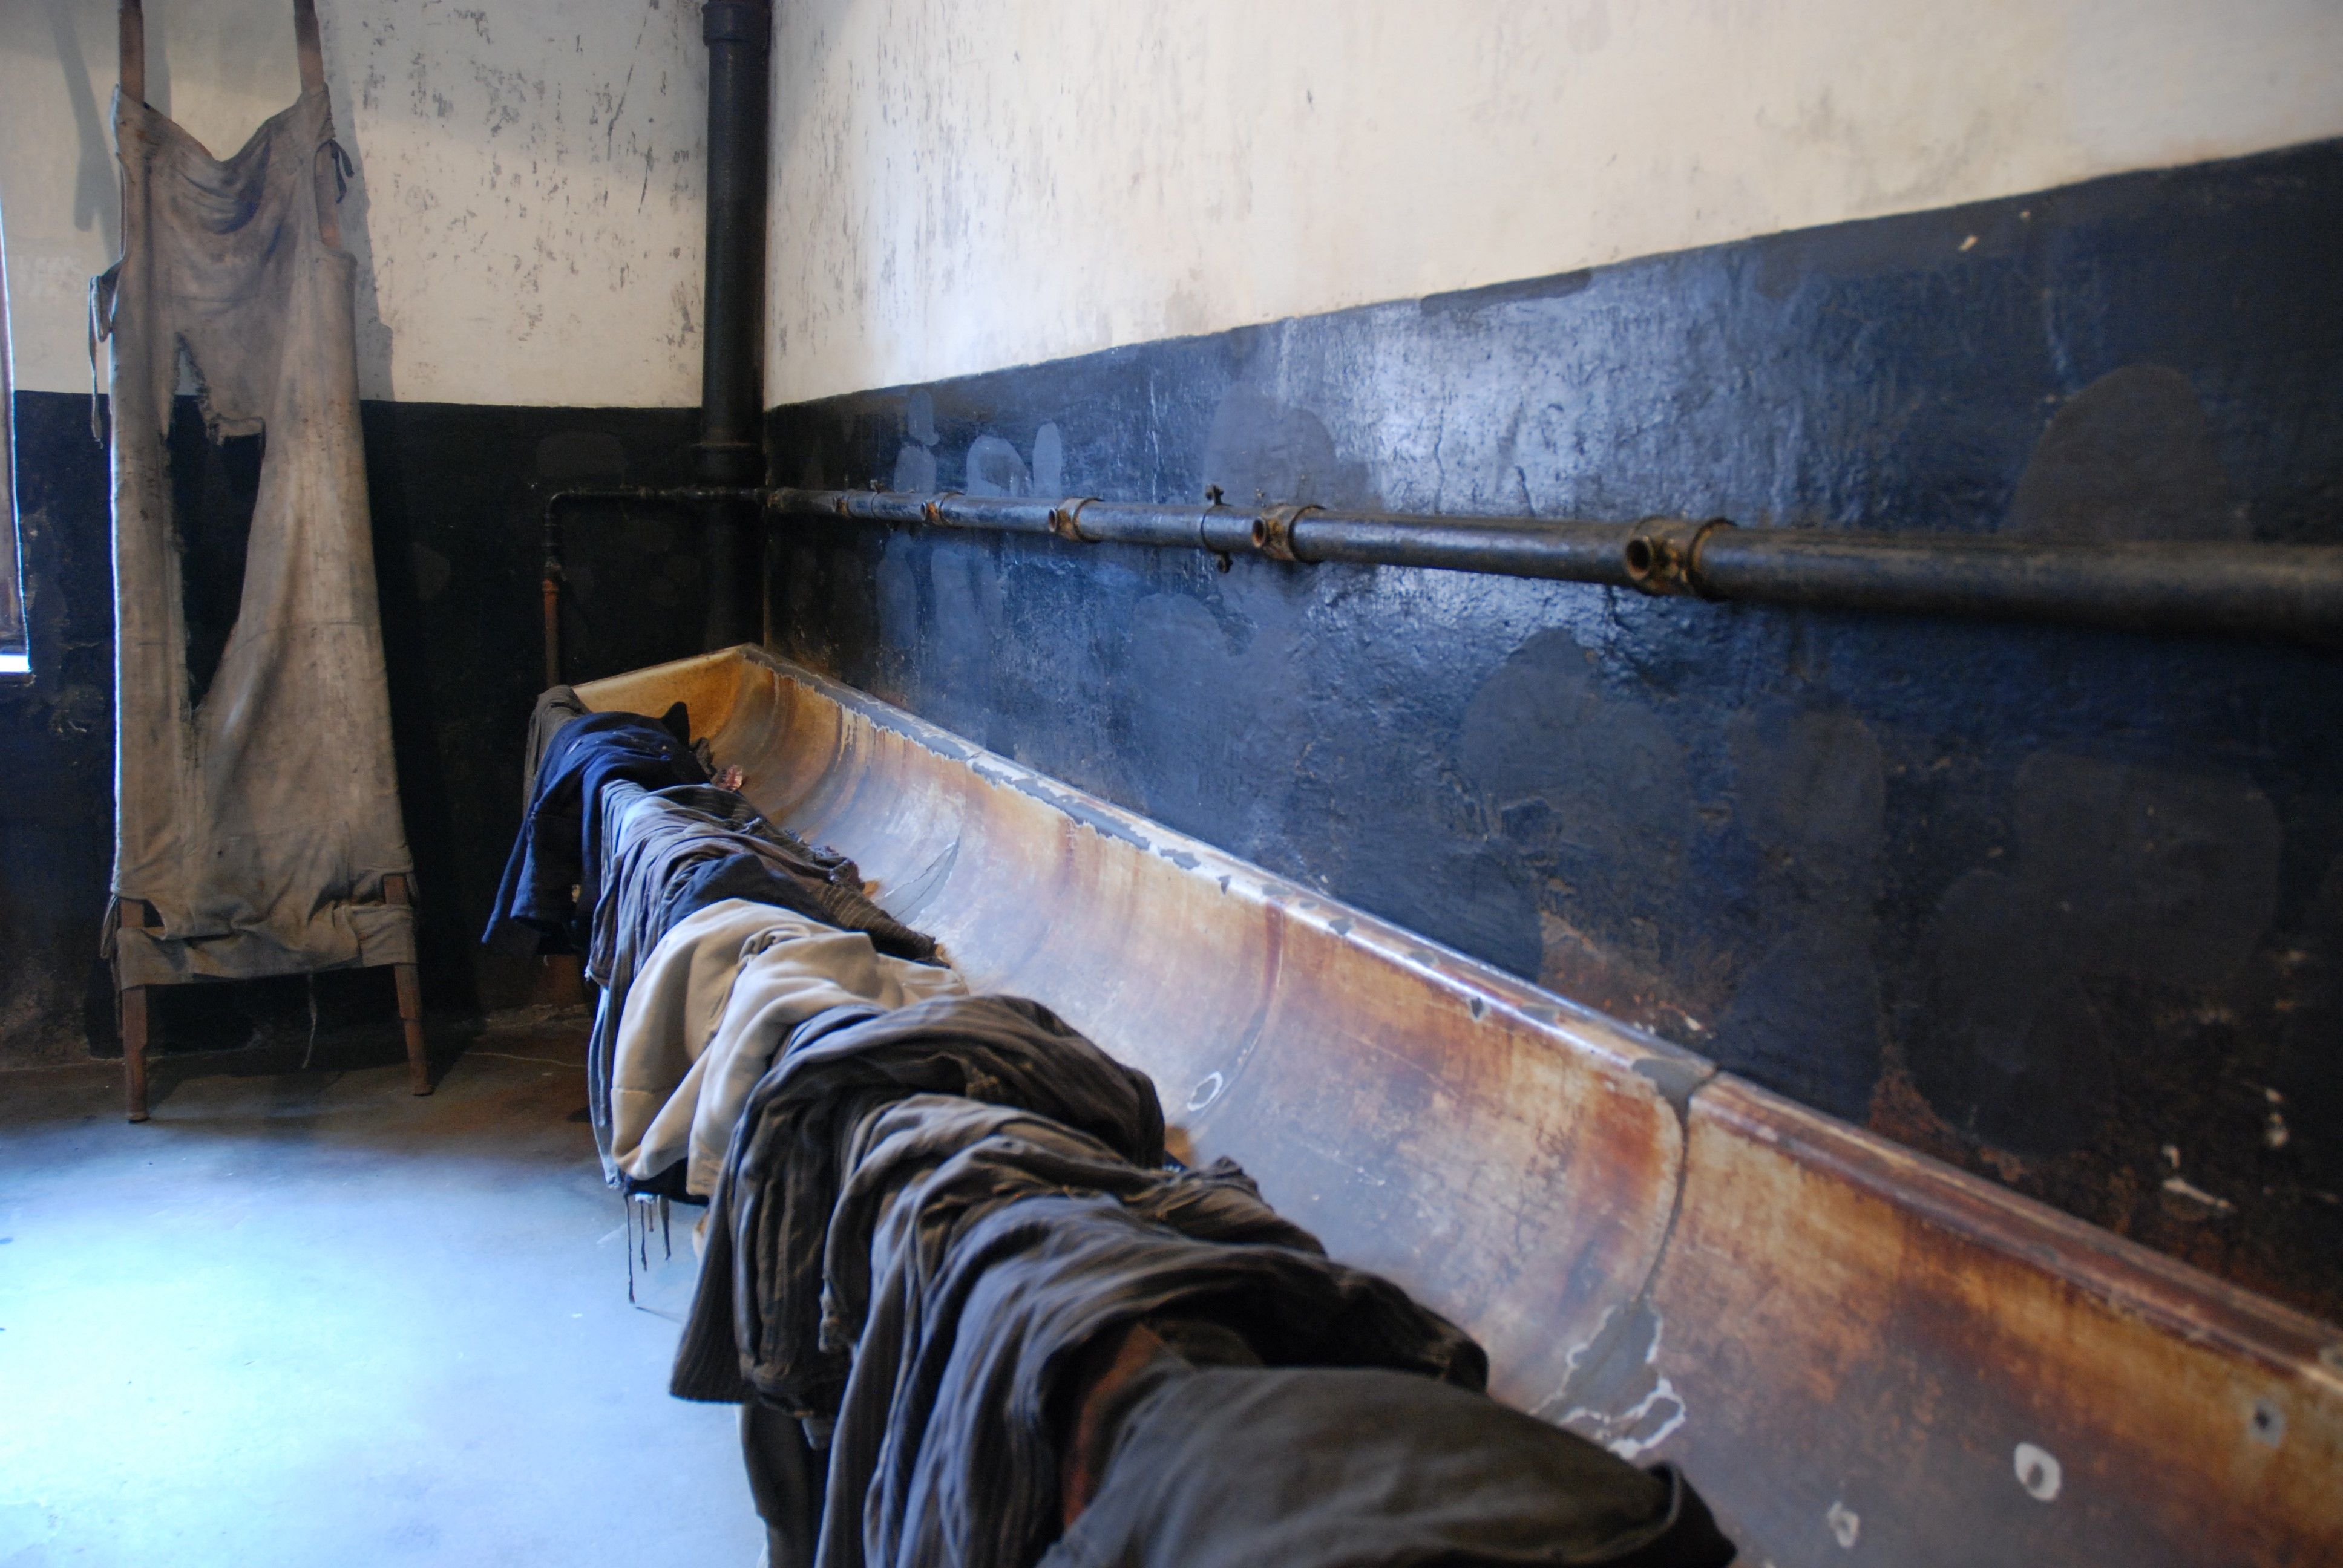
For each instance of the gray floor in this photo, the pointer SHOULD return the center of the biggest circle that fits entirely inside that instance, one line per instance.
(308, 1319)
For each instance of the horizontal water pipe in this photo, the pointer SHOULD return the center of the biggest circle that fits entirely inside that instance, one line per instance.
(2267, 590)
(2292, 592)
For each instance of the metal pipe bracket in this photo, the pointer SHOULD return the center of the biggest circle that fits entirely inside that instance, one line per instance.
(749, 22)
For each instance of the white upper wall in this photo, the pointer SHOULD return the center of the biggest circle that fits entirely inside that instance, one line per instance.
(964, 185)
(527, 207)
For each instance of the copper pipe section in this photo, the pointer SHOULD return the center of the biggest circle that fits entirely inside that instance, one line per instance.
(552, 594)
(618, 496)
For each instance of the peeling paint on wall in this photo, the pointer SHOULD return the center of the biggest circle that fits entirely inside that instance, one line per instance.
(527, 207)
(963, 187)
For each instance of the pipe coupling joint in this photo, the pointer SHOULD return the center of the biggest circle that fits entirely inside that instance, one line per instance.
(1066, 519)
(749, 22)
(1662, 556)
(729, 464)
(934, 510)
(1273, 532)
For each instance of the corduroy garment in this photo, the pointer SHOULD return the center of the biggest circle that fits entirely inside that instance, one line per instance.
(553, 877)
(975, 1255)
(990, 1279)
(748, 873)
(755, 1314)
(662, 842)
(1232, 1468)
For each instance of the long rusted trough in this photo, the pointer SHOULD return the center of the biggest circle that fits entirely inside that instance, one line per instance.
(1856, 1352)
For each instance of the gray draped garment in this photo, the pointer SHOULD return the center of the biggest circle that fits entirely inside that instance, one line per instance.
(260, 821)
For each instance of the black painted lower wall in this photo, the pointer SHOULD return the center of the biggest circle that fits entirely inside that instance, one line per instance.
(2064, 906)
(456, 547)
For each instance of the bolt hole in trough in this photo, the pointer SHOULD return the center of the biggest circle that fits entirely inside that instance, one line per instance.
(1208, 1089)
(2267, 1422)
(2038, 1471)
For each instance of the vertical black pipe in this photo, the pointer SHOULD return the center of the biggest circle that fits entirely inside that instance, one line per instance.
(731, 449)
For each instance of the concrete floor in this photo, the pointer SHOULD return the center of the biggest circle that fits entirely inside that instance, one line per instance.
(304, 1318)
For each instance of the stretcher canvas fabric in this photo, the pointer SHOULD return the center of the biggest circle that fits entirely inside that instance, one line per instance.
(260, 821)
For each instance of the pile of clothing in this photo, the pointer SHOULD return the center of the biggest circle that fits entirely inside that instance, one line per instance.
(971, 1310)
(707, 931)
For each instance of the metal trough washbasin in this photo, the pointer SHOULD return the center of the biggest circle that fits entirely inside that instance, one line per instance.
(1856, 1352)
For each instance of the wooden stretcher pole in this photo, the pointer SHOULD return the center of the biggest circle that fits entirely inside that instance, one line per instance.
(331, 161)
(133, 19)
(132, 1015)
(304, 38)
(133, 1052)
(410, 981)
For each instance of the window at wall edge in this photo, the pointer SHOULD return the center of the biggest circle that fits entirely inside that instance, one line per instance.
(15, 640)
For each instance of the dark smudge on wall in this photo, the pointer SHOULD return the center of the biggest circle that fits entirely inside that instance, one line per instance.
(2064, 906)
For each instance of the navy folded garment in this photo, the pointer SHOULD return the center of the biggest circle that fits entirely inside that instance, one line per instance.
(559, 847)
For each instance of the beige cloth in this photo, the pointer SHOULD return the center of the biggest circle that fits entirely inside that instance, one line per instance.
(705, 1016)
(259, 822)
